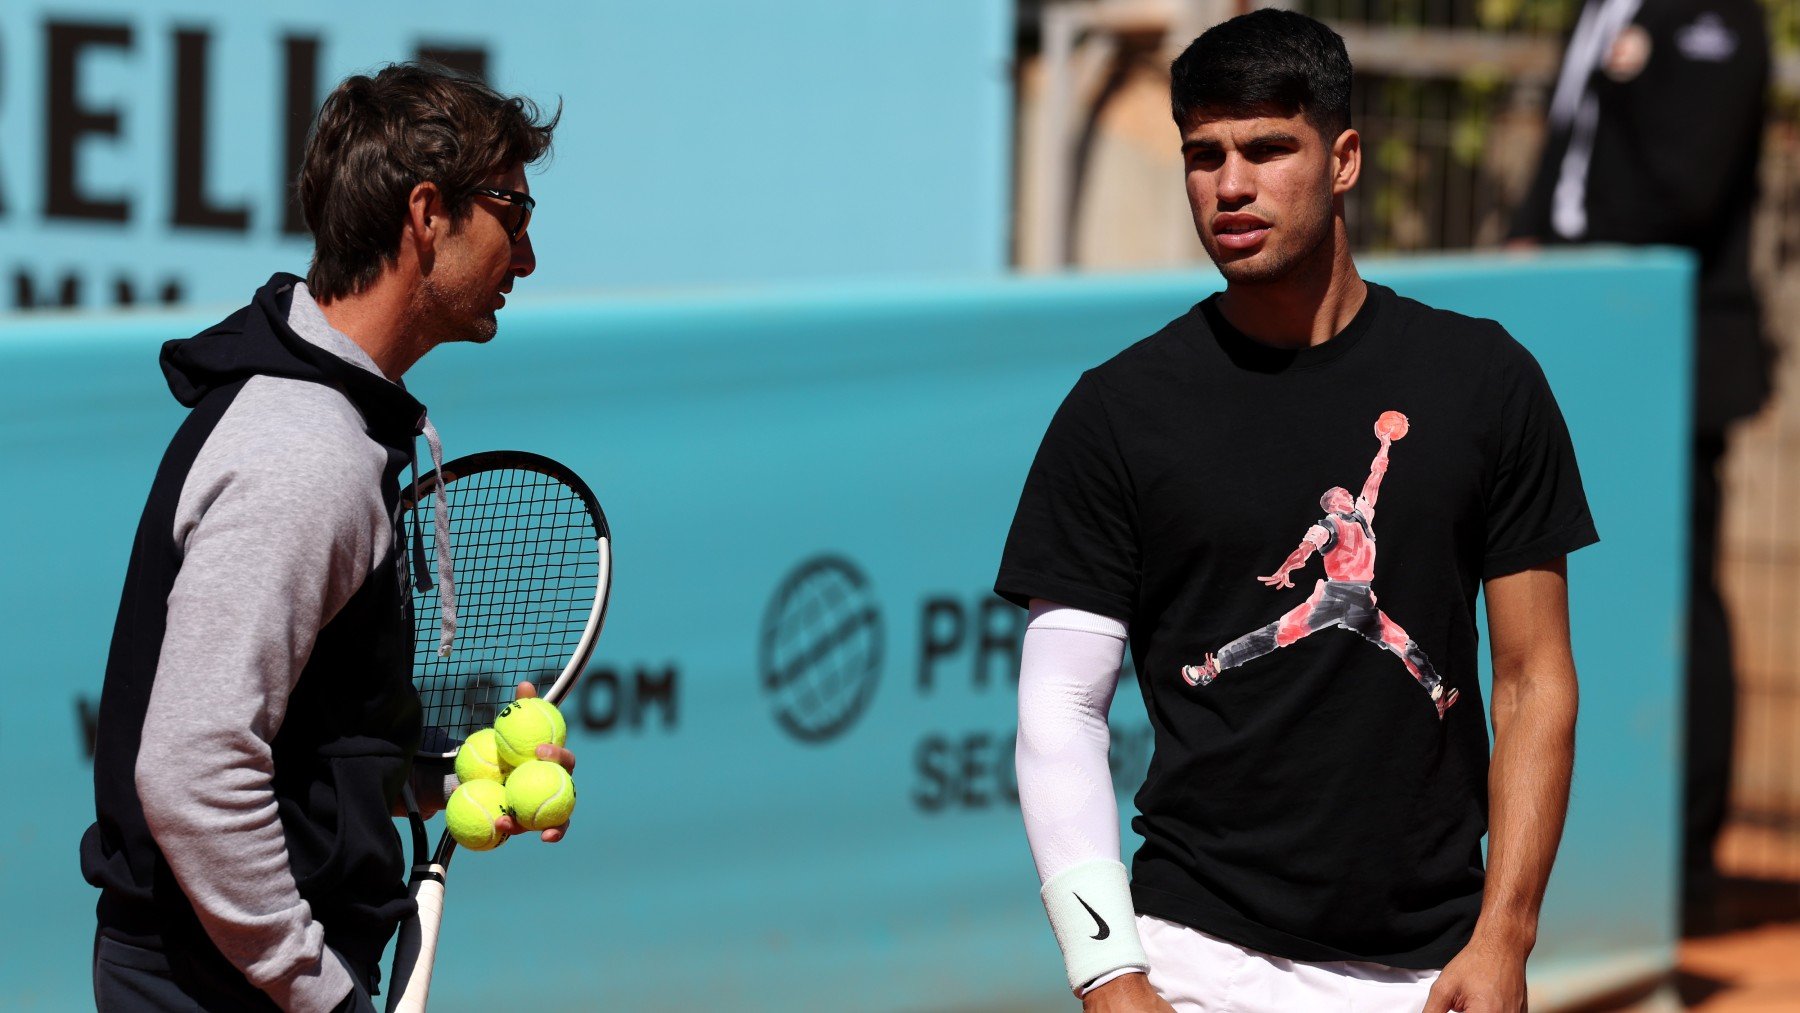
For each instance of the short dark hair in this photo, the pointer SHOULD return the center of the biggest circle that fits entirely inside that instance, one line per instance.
(378, 137)
(1267, 59)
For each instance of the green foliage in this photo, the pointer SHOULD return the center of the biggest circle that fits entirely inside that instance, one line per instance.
(1784, 26)
(1478, 95)
(1535, 16)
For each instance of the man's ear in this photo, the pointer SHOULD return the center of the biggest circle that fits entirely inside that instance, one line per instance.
(1346, 162)
(425, 219)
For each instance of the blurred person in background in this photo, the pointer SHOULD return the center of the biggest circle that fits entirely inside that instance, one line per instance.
(1655, 129)
(1320, 781)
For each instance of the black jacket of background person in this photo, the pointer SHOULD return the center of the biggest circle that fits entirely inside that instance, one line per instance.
(353, 721)
(1674, 162)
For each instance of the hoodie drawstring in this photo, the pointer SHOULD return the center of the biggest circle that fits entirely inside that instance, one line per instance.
(441, 518)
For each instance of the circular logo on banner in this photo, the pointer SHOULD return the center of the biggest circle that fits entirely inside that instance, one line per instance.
(821, 648)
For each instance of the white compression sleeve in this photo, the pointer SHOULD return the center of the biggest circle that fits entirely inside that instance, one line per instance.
(1069, 668)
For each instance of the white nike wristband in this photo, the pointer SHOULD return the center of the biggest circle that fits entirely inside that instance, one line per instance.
(1090, 910)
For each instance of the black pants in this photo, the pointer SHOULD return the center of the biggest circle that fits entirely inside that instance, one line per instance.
(129, 978)
(1711, 711)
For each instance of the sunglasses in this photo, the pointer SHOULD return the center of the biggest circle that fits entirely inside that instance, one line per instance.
(522, 204)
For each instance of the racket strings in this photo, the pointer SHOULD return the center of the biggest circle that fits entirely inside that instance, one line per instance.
(527, 571)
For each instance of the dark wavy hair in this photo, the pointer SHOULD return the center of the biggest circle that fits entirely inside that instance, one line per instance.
(378, 137)
(1267, 59)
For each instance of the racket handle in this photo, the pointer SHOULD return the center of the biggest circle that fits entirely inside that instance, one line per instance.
(416, 948)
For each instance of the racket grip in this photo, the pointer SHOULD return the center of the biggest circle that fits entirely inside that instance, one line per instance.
(416, 948)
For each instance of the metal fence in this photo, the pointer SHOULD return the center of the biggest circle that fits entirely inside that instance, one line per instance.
(1450, 94)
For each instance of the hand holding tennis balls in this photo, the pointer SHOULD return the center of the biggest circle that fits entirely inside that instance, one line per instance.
(542, 718)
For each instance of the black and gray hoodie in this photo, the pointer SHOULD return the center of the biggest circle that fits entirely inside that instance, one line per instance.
(258, 719)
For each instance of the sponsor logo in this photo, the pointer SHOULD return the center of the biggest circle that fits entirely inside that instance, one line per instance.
(1104, 929)
(820, 650)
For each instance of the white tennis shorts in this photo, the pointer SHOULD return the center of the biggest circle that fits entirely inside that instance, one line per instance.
(1198, 973)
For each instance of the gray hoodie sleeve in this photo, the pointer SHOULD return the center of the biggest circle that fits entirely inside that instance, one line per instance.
(279, 522)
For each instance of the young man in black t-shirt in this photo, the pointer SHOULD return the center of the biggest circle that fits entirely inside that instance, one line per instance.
(1312, 821)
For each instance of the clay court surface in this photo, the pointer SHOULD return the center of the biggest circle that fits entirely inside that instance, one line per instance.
(1753, 970)
(1747, 961)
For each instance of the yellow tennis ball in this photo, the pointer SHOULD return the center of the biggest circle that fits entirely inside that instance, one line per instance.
(540, 795)
(471, 812)
(524, 725)
(477, 760)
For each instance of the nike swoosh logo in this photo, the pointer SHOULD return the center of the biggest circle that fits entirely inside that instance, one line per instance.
(1104, 930)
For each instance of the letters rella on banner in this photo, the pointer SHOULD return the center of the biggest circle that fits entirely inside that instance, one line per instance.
(89, 125)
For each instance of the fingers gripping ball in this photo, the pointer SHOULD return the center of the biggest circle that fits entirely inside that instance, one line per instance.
(477, 760)
(524, 725)
(1390, 426)
(540, 795)
(471, 813)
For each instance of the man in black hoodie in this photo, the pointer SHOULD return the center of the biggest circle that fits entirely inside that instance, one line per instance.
(258, 721)
(1655, 131)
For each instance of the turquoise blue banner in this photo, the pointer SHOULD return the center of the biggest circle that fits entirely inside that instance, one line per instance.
(796, 738)
(146, 146)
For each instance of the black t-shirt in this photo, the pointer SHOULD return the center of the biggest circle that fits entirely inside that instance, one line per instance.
(1305, 798)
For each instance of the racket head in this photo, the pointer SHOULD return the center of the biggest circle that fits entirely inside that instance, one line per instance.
(531, 560)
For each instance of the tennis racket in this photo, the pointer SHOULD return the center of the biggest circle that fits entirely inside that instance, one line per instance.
(532, 567)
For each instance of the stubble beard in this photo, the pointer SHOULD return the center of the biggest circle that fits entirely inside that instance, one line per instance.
(458, 313)
(1273, 264)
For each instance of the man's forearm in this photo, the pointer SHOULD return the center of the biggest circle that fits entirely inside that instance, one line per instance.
(1069, 668)
(1528, 789)
(207, 801)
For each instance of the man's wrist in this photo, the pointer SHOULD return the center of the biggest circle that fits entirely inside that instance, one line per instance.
(1127, 991)
(1106, 979)
(1091, 912)
(1507, 933)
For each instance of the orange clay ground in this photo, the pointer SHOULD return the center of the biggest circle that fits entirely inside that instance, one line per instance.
(1755, 970)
